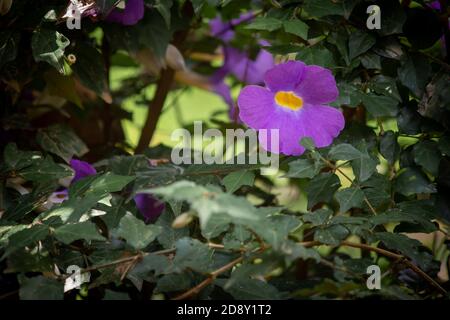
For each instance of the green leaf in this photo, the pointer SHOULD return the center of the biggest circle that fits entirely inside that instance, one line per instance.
(25, 237)
(407, 246)
(41, 288)
(128, 165)
(169, 236)
(317, 55)
(364, 166)
(414, 73)
(158, 264)
(389, 147)
(276, 229)
(411, 181)
(163, 7)
(90, 69)
(318, 217)
(359, 42)
(303, 168)
(296, 27)
(349, 198)
(16, 159)
(74, 231)
(108, 182)
(322, 188)
(210, 202)
(427, 155)
(136, 232)
(173, 282)
(192, 254)
(264, 23)
(344, 151)
(154, 34)
(321, 8)
(371, 60)
(332, 235)
(252, 289)
(380, 106)
(45, 170)
(235, 180)
(62, 141)
(48, 46)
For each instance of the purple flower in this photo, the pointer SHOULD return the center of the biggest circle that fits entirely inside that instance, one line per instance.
(82, 169)
(133, 12)
(294, 101)
(59, 196)
(246, 70)
(224, 30)
(150, 207)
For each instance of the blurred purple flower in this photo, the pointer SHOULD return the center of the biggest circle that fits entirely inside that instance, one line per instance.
(237, 62)
(224, 30)
(149, 207)
(59, 196)
(133, 12)
(294, 101)
(82, 169)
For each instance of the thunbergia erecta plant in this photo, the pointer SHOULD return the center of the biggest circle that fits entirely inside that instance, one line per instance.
(225, 150)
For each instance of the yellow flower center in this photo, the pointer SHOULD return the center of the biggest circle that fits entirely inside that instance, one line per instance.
(288, 99)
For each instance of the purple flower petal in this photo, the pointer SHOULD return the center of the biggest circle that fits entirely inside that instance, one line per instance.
(82, 169)
(150, 207)
(221, 30)
(224, 30)
(256, 106)
(58, 196)
(247, 70)
(133, 12)
(317, 86)
(285, 76)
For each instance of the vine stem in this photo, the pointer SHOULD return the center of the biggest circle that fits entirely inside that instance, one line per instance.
(212, 276)
(386, 253)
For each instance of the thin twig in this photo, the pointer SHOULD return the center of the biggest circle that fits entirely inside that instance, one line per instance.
(195, 290)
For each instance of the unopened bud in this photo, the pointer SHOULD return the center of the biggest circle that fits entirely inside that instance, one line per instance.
(182, 220)
(174, 58)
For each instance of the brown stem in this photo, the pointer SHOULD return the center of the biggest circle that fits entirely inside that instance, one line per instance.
(163, 86)
(154, 111)
(195, 290)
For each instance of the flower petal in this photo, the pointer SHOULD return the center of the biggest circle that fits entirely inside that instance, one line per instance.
(288, 133)
(256, 105)
(149, 206)
(133, 12)
(321, 123)
(318, 86)
(82, 169)
(285, 76)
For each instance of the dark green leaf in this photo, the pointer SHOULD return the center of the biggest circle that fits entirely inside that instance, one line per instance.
(74, 231)
(322, 188)
(61, 141)
(136, 232)
(49, 45)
